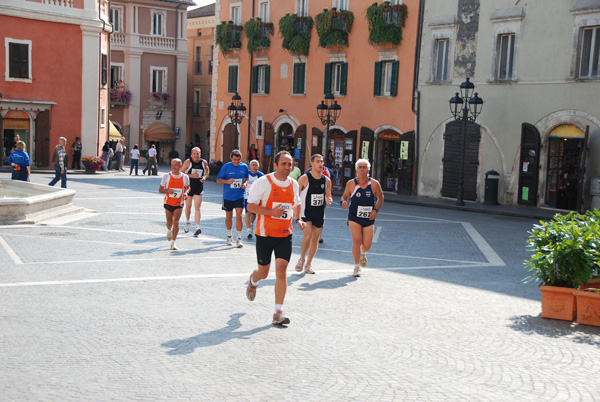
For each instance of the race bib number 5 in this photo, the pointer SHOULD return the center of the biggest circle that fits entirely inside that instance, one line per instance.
(237, 183)
(363, 212)
(316, 200)
(287, 210)
(176, 193)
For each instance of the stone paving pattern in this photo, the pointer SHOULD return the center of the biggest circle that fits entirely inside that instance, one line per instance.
(99, 309)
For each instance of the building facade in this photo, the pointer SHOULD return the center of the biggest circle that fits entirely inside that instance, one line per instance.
(201, 37)
(535, 65)
(148, 73)
(263, 54)
(46, 95)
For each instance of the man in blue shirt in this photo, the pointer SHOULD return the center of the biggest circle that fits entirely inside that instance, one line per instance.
(234, 176)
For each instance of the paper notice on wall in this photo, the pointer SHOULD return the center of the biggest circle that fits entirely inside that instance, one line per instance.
(525, 194)
(365, 150)
(404, 150)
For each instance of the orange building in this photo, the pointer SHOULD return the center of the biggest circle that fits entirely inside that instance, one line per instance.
(52, 88)
(369, 73)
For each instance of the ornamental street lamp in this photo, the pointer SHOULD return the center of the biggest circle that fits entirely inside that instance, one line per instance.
(328, 112)
(471, 108)
(236, 111)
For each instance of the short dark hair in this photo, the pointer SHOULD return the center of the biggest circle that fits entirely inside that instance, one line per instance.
(276, 161)
(235, 152)
(315, 156)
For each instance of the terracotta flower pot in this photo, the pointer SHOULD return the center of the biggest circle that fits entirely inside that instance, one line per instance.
(558, 303)
(588, 303)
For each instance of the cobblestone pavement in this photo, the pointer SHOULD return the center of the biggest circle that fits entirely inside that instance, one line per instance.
(95, 307)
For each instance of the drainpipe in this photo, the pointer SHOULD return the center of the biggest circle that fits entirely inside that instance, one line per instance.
(250, 92)
(175, 97)
(417, 96)
(100, 74)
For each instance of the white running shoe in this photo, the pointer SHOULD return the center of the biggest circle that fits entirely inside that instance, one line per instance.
(173, 245)
(229, 241)
(356, 273)
(238, 243)
(186, 228)
(169, 234)
(363, 260)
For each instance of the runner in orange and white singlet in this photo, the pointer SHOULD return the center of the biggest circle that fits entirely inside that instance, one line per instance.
(175, 186)
(275, 200)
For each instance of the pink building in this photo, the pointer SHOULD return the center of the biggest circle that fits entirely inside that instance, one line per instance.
(370, 76)
(148, 67)
(54, 80)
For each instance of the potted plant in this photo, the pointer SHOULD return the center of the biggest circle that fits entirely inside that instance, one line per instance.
(565, 254)
(386, 23)
(296, 32)
(92, 164)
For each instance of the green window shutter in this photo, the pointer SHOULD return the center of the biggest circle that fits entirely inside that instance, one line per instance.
(267, 79)
(255, 79)
(303, 78)
(232, 79)
(299, 69)
(295, 79)
(395, 68)
(327, 80)
(344, 79)
(377, 85)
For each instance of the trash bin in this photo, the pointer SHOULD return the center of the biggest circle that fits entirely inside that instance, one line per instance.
(491, 188)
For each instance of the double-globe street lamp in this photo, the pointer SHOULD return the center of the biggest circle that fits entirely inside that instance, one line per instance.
(471, 108)
(236, 111)
(328, 111)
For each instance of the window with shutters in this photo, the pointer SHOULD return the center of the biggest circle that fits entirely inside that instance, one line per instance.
(18, 60)
(232, 79)
(440, 62)
(116, 75)
(260, 79)
(158, 21)
(299, 78)
(235, 13)
(506, 56)
(198, 60)
(197, 100)
(104, 74)
(589, 52)
(302, 8)
(386, 78)
(336, 78)
(263, 10)
(115, 19)
(158, 76)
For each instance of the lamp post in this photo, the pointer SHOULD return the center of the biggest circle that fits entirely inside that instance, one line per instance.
(235, 111)
(328, 111)
(471, 108)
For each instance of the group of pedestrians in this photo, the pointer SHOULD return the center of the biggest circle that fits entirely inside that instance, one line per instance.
(273, 203)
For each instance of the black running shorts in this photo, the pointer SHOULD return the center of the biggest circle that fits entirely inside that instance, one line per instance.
(172, 208)
(231, 205)
(282, 246)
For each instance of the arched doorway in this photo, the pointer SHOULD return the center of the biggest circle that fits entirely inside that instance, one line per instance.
(285, 138)
(229, 141)
(394, 161)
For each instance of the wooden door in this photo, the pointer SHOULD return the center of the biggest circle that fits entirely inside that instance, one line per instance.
(42, 139)
(229, 142)
(452, 160)
(529, 166)
(316, 146)
(404, 163)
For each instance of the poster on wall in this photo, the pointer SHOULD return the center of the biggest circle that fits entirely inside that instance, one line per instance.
(267, 150)
(339, 153)
(404, 150)
(365, 150)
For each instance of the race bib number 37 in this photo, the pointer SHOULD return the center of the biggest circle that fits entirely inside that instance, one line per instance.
(237, 183)
(363, 212)
(287, 207)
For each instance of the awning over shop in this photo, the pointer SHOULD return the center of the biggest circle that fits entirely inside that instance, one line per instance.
(113, 132)
(159, 131)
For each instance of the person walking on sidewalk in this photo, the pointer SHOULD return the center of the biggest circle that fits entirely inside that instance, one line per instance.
(234, 176)
(174, 185)
(315, 194)
(275, 200)
(119, 154)
(253, 175)
(197, 170)
(135, 159)
(151, 156)
(359, 198)
(59, 159)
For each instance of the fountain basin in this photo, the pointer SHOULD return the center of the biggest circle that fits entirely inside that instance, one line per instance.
(22, 202)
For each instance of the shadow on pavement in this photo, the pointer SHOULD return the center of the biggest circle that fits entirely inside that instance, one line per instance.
(212, 338)
(556, 329)
(328, 284)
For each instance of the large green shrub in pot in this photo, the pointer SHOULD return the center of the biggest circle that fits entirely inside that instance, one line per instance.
(566, 250)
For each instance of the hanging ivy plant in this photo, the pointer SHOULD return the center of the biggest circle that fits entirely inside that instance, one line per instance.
(386, 22)
(228, 36)
(295, 32)
(258, 33)
(333, 27)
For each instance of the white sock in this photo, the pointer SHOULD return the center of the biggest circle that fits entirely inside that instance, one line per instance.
(278, 307)
(229, 233)
(239, 235)
(252, 281)
(356, 266)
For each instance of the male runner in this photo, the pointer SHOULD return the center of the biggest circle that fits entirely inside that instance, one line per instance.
(197, 170)
(174, 185)
(234, 176)
(275, 199)
(253, 175)
(326, 173)
(361, 193)
(315, 193)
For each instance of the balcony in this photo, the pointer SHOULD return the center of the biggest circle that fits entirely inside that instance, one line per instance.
(228, 36)
(147, 41)
(120, 97)
(60, 3)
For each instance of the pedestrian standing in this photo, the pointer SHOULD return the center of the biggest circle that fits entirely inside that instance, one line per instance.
(252, 154)
(105, 155)
(234, 176)
(363, 198)
(20, 163)
(119, 154)
(253, 175)
(76, 163)
(315, 194)
(174, 185)
(59, 159)
(197, 170)
(151, 157)
(135, 159)
(275, 199)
